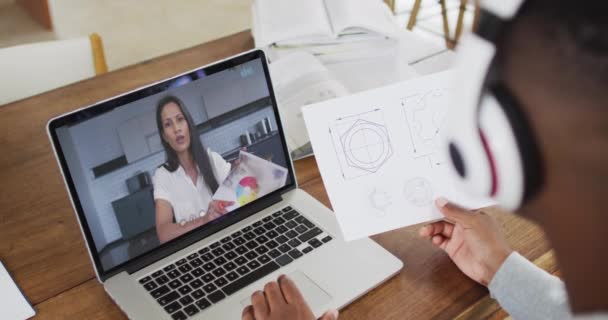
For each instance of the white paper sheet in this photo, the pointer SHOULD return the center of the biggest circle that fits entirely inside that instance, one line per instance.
(13, 305)
(251, 179)
(378, 157)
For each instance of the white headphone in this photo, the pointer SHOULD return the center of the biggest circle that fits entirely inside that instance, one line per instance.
(488, 140)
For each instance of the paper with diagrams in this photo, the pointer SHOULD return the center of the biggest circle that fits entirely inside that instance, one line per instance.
(378, 155)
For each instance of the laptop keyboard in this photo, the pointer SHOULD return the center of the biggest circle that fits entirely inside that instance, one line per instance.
(205, 277)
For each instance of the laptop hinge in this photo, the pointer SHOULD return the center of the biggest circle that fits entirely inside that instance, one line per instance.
(198, 235)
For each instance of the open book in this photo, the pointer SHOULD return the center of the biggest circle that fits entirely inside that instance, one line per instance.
(297, 22)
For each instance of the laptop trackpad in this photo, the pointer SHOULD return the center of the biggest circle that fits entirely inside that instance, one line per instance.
(314, 295)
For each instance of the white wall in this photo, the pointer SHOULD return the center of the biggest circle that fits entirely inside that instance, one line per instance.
(80, 182)
(135, 31)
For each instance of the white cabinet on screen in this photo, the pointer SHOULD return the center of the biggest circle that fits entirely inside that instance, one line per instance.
(139, 137)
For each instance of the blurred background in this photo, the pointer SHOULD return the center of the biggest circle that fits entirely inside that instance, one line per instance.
(134, 31)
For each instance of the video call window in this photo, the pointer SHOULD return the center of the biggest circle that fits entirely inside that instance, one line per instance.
(152, 170)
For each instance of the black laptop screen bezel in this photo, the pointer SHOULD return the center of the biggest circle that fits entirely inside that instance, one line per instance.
(179, 243)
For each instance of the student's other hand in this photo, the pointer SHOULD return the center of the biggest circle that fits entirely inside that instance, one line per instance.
(473, 240)
(217, 208)
(281, 301)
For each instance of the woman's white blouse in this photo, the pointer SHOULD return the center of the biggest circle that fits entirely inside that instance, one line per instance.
(188, 200)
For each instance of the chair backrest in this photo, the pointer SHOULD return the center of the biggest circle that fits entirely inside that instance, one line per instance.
(30, 69)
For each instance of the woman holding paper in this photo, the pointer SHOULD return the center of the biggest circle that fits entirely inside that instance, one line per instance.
(185, 183)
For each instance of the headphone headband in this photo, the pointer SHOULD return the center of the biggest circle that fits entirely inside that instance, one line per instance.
(504, 9)
(488, 139)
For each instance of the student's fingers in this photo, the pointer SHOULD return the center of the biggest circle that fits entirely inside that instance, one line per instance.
(439, 240)
(274, 295)
(260, 306)
(247, 313)
(290, 291)
(330, 315)
(440, 227)
(453, 212)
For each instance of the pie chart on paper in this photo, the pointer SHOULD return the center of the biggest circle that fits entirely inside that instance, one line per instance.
(247, 190)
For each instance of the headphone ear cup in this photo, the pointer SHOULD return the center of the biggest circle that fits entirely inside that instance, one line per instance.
(460, 134)
(502, 152)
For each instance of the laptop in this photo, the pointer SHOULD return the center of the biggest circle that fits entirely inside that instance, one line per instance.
(206, 265)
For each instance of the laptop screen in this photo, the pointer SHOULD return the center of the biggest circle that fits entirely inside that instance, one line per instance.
(176, 157)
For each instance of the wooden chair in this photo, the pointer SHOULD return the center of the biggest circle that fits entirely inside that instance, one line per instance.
(449, 41)
(31, 69)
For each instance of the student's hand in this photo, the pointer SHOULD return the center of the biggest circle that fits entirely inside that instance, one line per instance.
(217, 208)
(473, 240)
(281, 301)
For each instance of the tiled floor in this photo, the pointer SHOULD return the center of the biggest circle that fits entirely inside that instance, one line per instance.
(134, 30)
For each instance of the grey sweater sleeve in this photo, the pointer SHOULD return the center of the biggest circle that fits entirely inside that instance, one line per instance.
(526, 291)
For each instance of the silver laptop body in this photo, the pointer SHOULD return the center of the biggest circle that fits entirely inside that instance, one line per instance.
(285, 231)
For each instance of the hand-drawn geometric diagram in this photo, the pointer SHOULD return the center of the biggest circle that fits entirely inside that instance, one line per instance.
(380, 200)
(424, 114)
(366, 145)
(418, 192)
(362, 143)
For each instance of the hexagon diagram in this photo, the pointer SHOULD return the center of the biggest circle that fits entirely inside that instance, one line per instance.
(362, 143)
(366, 145)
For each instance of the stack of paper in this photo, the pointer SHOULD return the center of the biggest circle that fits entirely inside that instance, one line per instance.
(295, 23)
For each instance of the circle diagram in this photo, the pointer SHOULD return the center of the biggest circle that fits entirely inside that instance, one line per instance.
(380, 200)
(418, 192)
(366, 145)
(247, 190)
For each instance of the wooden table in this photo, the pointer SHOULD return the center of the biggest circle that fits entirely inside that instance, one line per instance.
(41, 244)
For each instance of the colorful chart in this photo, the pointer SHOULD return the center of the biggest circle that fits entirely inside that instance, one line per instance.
(247, 190)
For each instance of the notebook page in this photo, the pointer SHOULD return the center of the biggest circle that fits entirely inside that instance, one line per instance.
(281, 20)
(352, 16)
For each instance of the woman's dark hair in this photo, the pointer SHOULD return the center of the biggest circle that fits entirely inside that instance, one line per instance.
(196, 147)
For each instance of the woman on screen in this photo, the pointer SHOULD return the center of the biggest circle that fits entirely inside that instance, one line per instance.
(185, 183)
